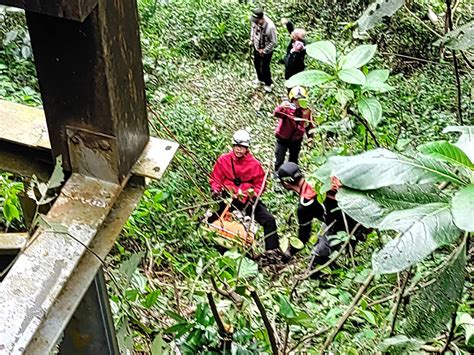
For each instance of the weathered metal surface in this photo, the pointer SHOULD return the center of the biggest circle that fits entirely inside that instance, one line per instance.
(155, 158)
(70, 9)
(51, 327)
(23, 124)
(25, 161)
(93, 154)
(91, 77)
(43, 268)
(11, 243)
(91, 328)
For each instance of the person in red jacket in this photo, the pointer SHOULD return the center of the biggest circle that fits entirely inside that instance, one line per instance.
(240, 175)
(295, 120)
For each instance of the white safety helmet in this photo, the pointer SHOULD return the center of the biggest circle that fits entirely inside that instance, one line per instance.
(241, 137)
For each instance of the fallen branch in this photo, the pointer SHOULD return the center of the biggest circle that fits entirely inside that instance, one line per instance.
(396, 306)
(230, 294)
(226, 339)
(348, 312)
(266, 321)
(367, 127)
(308, 337)
(451, 332)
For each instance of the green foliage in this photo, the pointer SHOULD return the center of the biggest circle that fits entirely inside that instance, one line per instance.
(17, 72)
(385, 200)
(10, 189)
(462, 38)
(430, 310)
(354, 87)
(375, 13)
(209, 29)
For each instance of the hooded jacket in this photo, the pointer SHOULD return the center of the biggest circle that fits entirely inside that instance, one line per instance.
(229, 169)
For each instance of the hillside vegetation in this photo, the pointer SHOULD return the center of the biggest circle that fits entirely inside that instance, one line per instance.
(168, 273)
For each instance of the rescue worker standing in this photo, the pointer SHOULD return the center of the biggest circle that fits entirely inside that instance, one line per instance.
(295, 120)
(240, 175)
(263, 38)
(309, 208)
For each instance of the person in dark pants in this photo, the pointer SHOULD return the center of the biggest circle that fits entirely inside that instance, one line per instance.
(296, 50)
(263, 38)
(295, 120)
(240, 175)
(309, 208)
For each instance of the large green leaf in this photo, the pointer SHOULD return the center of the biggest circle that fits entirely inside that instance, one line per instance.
(358, 57)
(402, 344)
(343, 96)
(352, 76)
(466, 140)
(380, 167)
(430, 310)
(445, 151)
(371, 207)
(375, 81)
(423, 229)
(463, 208)
(462, 38)
(308, 78)
(324, 51)
(370, 109)
(374, 14)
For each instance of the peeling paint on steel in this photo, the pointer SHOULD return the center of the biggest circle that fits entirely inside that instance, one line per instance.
(155, 158)
(65, 304)
(41, 271)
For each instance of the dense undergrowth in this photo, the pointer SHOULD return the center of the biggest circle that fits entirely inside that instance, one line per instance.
(198, 73)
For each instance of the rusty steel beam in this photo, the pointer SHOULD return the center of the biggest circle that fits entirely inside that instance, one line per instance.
(52, 326)
(91, 80)
(43, 268)
(76, 10)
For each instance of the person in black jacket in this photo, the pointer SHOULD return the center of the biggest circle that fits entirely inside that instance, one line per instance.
(309, 209)
(296, 51)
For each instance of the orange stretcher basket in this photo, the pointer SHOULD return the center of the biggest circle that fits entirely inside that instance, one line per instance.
(230, 230)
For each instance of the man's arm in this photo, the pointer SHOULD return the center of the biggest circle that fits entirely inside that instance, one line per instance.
(259, 180)
(290, 26)
(217, 177)
(305, 219)
(310, 125)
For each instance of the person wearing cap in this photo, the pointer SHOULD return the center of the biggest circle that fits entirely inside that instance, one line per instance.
(296, 50)
(309, 208)
(294, 121)
(263, 38)
(240, 175)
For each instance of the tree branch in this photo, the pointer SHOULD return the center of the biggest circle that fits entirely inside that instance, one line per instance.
(451, 332)
(226, 339)
(367, 127)
(348, 312)
(396, 306)
(449, 26)
(266, 321)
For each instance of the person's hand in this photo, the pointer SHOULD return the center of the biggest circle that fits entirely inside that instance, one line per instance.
(260, 51)
(216, 195)
(286, 104)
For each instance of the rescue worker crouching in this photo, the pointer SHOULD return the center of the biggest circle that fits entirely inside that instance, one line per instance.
(295, 121)
(237, 174)
(309, 208)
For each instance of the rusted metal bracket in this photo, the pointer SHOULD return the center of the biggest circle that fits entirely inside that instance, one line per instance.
(93, 154)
